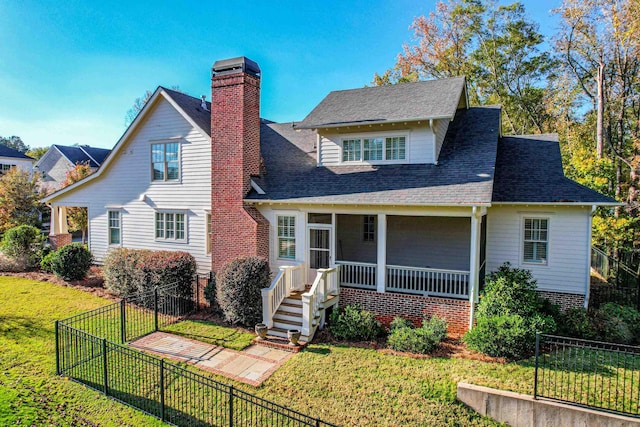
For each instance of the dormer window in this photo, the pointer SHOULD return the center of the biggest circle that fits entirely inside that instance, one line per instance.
(374, 150)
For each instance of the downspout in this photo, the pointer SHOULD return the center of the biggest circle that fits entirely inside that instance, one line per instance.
(589, 235)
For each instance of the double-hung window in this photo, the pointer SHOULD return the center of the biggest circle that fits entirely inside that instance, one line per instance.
(115, 227)
(374, 149)
(170, 226)
(369, 228)
(165, 161)
(351, 150)
(287, 237)
(395, 148)
(536, 240)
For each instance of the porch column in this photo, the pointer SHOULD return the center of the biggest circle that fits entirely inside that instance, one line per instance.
(58, 220)
(381, 273)
(474, 261)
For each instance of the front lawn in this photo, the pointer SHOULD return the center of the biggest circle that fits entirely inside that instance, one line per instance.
(345, 385)
(209, 332)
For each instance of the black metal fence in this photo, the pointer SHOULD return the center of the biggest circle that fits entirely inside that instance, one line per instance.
(86, 351)
(592, 374)
(623, 285)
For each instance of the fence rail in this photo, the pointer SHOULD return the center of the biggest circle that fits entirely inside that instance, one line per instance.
(623, 282)
(592, 374)
(89, 350)
(428, 281)
(358, 274)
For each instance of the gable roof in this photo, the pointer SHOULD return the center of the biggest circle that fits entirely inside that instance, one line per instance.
(463, 176)
(193, 108)
(10, 152)
(83, 154)
(529, 169)
(431, 99)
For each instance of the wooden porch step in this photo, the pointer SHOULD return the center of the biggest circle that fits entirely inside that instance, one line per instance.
(291, 324)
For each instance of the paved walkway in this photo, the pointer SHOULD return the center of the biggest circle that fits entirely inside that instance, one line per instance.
(252, 365)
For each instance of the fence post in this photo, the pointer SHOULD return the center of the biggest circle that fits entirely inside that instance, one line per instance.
(155, 307)
(230, 406)
(57, 349)
(123, 320)
(197, 292)
(104, 366)
(162, 390)
(535, 377)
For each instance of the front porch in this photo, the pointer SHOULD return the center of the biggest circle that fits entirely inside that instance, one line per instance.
(392, 265)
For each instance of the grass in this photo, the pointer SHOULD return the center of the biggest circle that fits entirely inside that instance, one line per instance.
(209, 332)
(30, 392)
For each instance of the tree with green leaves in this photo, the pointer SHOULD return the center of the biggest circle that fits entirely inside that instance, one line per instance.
(77, 217)
(37, 152)
(14, 142)
(19, 199)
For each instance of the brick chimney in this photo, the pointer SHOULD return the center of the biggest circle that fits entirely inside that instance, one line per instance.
(236, 229)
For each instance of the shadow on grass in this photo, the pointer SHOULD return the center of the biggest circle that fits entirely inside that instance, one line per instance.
(315, 350)
(211, 333)
(18, 327)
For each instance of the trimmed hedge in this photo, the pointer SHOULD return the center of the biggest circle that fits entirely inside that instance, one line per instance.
(132, 271)
(351, 323)
(71, 262)
(239, 289)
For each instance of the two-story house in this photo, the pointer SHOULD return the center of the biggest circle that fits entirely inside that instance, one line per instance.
(60, 159)
(396, 198)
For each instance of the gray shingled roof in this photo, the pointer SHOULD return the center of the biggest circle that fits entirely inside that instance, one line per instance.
(10, 152)
(193, 108)
(464, 175)
(83, 154)
(380, 104)
(529, 169)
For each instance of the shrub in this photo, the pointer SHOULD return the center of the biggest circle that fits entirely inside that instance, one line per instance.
(210, 291)
(509, 314)
(72, 262)
(132, 271)
(239, 290)
(618, 323)
(46, 264)
(417, 340)
(576, 322)
(400, 322)
(353, 324)
(24, 245)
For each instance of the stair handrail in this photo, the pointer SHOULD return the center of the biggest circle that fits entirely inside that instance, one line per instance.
(281, 287)
(325, 284)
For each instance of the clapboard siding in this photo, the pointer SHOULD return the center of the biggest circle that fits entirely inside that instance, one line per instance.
(567, 269)
(129, 177)
(441, 131)
(419, 149)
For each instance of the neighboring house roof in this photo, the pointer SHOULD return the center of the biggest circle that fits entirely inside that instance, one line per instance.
(463, 176)
(424, 100)
(10, 152)
(83, 154)
(193, 108)
(529, 169)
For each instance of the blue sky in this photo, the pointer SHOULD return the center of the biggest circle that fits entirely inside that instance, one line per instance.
(71, 69)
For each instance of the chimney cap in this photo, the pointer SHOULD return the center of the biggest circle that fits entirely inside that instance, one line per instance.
(236, 65)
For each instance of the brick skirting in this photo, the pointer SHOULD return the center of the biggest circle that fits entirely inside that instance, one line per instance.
(388, 305)
(59, 240)
(565, 301)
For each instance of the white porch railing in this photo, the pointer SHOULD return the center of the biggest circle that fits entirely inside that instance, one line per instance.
(288, 279)
(324, 286)
(358, 274)
(428, 281)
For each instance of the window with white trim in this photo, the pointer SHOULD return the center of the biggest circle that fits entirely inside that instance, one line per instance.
(535, 240)
(115, 227)
(395, 148)
(287, 237)
(165, 161)
(170, 226)
(351, 150)
(4, 168)
(374, 149)
(369, 228)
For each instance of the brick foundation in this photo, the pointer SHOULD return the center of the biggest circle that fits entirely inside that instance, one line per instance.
(565, 301)
(59, 240)
(387, 305)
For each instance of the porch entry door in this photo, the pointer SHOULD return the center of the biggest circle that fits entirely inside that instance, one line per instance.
(320, 255)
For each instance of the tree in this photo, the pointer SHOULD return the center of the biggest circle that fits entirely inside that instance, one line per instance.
(37, 153)
(14, 142)
(495, 47)
(77, 217)
(139, 104)
(19, 199)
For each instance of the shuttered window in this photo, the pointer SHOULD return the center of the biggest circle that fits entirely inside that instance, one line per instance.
(536, 240)
(287, 237)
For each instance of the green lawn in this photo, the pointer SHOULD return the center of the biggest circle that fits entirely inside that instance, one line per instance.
(345, 385)
(209, 332)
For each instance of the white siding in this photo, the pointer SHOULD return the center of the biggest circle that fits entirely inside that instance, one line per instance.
(567, 268)
(24, 164)
(419, 145)
(129, 177)
(441, 127)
